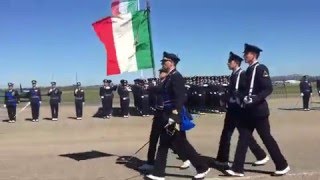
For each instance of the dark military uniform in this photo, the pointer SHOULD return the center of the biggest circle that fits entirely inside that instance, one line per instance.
(306, 91)
(136, 90)
(106, 95)
(35, 100)
(55, 99)
(11, 100)
(79, 100)
(200, 94)
(123, 90)
(189, 95)
(193, 96)
(212, 96)
(144, 95)
(221, 96)
(259, 86)
(174, 99)
(157, 124)
(235, 113)
(152, 95)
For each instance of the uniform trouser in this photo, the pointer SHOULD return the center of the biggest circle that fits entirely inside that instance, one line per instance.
(180, 144)
(262, 126)
(79, 108)
(145, 106)
(54, 109)
(124, 104)
(156, 129)
(12, 112)
(231, 122)
(305, 99)
(107, 106)
(35, 109)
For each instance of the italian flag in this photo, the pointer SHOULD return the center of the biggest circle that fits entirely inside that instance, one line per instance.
(123, 6)
(127, 41)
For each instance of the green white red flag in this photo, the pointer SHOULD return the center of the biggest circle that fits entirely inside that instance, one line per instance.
(127, 41)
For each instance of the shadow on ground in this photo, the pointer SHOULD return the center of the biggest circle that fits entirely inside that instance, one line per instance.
(116, 112)
(82, 156)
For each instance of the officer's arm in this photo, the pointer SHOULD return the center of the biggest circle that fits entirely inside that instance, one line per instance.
(265, 83)
(179, 91)
(84, 100)
(310, 88)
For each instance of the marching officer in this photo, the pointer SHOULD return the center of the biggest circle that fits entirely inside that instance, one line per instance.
(174, 99)
(55, 99)
(235, 113)
(306, 92)
(123, 90)
(106, 94)
(35, 100)
(11, 99)
(258, 87)
(79, 98)
(157, 126)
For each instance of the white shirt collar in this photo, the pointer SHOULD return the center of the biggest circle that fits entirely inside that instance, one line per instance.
(254, 63)
(236, 70)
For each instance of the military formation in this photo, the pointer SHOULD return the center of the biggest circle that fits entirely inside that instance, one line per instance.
(172, 98)
(247, 110)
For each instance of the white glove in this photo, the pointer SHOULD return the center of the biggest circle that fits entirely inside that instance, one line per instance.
(102, 97)
(50, 90)
(171, 121)
(311, 94)
(83, 103)
(301, 95)
(76, 90)
(40, 102)
(247, 100)
(4, 105)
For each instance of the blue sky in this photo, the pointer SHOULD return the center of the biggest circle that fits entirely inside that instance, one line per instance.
(46, 39)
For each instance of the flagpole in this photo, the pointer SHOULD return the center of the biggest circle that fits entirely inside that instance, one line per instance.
(149, 26)
(141, 71)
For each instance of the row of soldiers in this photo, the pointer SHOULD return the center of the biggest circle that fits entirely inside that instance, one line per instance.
(202, 97)
(12, 99)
